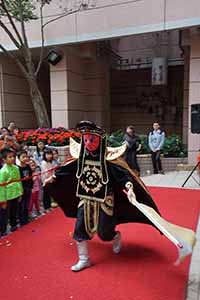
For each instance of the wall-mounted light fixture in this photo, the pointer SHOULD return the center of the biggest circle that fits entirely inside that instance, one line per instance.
(54, 57)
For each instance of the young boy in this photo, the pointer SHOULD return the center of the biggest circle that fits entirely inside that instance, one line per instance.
(26, 173)
(10, 194)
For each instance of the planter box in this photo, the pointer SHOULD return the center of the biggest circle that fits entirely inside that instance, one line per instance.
(168, 163)
(63, 151)
(144, 160)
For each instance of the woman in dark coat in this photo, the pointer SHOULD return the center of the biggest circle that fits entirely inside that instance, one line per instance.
(133, 146)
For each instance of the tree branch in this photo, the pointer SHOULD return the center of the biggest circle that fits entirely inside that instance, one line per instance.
(42, 31)
(16, 59)
(25, 41)
(62, 16)
(2, 4)
(69, 13)
(13, 39)
(27, 52)
(42, 37)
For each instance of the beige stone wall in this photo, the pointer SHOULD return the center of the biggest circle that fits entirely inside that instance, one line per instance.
(194, 95)
(79, 89)
(168, 163)
(110, 18)
(142, 48)
(15, 100)
(96, 78)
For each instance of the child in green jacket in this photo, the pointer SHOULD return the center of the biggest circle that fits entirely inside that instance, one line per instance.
(10, 194)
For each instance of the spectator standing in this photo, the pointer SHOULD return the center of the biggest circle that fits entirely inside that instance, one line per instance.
(39, 153)
(56, 159)
(156, 140)
(11, 126)
(2, 146)
(56, 162)
(10, 142)
(35, 189)
(5, 131)
(46, 165)
(26, 147)
(15, 130)
(2, 143)
(133, 145)
(26, 173)
(10, 194)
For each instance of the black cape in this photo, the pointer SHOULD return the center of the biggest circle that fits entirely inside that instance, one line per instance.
(63, 190)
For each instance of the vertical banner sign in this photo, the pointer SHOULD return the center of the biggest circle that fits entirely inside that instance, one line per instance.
(159, 71)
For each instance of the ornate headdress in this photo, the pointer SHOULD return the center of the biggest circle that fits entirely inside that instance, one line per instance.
(90, 127)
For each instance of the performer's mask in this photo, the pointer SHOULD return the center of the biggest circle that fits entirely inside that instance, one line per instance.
(91, 142)
(93, 147)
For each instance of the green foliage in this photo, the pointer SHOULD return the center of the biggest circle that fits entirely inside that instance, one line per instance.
(116, 138)
(173, 146)
(144, 142)
(19, 10)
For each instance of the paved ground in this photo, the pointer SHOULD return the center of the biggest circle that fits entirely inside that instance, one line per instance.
(176, 179)
(173, 179)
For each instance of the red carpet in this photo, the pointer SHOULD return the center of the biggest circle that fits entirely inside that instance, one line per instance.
(35, 260)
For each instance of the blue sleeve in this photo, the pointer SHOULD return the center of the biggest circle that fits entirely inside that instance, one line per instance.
(162, 141)
(149, 141)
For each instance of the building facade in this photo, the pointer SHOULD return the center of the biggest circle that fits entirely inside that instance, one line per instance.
(108, 50)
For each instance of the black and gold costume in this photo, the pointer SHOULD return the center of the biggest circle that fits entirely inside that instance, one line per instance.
(90, 188)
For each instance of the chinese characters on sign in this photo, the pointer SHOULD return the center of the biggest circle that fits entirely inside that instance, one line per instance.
(159, 71)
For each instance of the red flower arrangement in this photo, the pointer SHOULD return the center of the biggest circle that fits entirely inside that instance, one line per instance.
(51, 136)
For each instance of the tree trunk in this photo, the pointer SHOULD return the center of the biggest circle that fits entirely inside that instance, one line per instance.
(38, 104)
(36, 96)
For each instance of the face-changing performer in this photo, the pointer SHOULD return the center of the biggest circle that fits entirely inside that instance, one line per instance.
(91, 187)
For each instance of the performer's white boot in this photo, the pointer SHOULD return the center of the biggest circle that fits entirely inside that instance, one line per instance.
(84, 260)
(117, 243)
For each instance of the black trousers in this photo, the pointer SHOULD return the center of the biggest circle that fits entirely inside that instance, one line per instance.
(156, 161)
(46, 198)
(106, 226)
(3, 220)
(23, 207)
(9, 213)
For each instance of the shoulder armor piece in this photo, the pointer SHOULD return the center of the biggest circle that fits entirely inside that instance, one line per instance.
(111, 152)
(74, 148)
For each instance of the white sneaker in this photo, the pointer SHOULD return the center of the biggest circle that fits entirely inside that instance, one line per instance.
(82, 264)
(117, 243)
